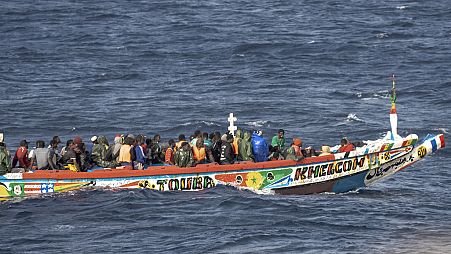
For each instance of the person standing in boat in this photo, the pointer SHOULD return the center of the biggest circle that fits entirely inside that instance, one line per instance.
(21, 156)
(41, 156)
(227, 154)
(5, 157)
(184, 156)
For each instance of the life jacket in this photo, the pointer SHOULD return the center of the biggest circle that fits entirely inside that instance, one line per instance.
(235, 144)
(347, 148)
(199, 153)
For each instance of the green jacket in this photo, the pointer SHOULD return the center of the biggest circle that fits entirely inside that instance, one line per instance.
(183, 158)
(278, 142)
(245, 148)
(99, 152)
(5, 161)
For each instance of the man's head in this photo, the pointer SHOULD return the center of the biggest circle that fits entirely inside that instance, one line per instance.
(1, 137)
(229, 138)
(182, 137)
(40, 144)
(54, 143)
(24, 143)
(344, 141)
(185, 146)
(157, 138)
(171, 143)
(281, 133)
(199, 143)
(94, 140)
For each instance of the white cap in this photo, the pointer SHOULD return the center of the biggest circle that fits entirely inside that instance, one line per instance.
(1, 137)
(94, 138)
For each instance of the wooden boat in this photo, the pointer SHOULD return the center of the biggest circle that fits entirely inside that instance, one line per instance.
(336, 173)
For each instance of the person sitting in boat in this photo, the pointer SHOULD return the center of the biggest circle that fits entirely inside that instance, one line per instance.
(275, 154)
(236, 142)
(21, 156)
(345, 146)
(85, 162)
(100, 153)
(140, 159)
(197, 134)
(245, 148)
(182, 139)
(41, 156)
(227, 155)
(169, 154)
(202, 154)
(216, 147)
(125, 157)
(57, 140)
(325, 150)
(155, 155)
(259, 147)
(207, 141)
(71, 159)
(279, 140)
(184, 156)
(5, 157)
(54, 156)
(294, 152)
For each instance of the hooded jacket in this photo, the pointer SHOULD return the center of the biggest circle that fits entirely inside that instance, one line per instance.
(245, 148)
(259, 148)
(5, 160)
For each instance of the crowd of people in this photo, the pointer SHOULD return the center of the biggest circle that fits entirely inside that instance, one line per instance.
(140, 151)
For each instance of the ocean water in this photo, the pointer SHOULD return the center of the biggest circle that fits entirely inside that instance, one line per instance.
(319, 69)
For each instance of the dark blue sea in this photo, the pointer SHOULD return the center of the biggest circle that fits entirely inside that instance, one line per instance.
(319, 69)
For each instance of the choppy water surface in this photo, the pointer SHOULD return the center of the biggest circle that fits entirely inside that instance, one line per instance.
(319, 69)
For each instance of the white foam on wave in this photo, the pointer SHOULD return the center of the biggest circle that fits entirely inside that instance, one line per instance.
(312, 41)
(401, 7)
(353, 117)
(259, 123)
(200, 122)
(382, 35)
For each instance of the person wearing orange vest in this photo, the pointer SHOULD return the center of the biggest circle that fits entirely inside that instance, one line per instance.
(182, 139)
(236, 142)
(169, 154)
(345, 146)
(201, 153)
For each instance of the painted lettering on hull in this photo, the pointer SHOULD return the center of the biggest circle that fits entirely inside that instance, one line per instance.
(328, 169)
(388, 168)
(175, 184)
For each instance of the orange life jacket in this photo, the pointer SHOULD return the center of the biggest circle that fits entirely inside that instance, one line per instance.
(199, 153)
(235, 145)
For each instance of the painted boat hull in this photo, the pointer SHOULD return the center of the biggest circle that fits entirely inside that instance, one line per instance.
(334, 173)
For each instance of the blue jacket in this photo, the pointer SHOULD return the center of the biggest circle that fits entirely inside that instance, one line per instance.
(259, 148)
(140, 157)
